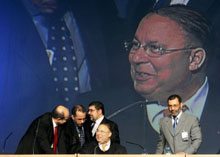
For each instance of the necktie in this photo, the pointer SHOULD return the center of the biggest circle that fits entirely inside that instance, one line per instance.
(162, 3)
(55, 140)
(103, 147)
(175, 124)
(81, 136)
(63, 61)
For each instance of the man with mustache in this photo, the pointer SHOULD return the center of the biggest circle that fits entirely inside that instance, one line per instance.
(96, 112)
(180, 133)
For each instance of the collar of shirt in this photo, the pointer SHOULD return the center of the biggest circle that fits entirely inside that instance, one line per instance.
(54, 125)
(38, 19)
(184, 2)
(107, 147)
(173, 2)
(195, 104)
(178, 117)
(77, 127)
(97, 123)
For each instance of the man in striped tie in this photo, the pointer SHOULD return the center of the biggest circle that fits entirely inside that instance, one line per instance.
(77, 130)
(185, 136)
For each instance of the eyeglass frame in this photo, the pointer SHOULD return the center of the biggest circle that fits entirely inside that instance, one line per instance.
(147, 48)
(84, 119)
(103, 132)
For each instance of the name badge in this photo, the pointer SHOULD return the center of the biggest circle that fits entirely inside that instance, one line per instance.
(185, 135)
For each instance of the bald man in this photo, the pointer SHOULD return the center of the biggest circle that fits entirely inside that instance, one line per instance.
(45, 134)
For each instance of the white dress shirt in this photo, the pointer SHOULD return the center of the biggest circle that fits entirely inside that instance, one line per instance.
(106, 147)
(97, 123)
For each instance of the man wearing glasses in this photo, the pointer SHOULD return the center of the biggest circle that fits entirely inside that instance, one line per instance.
(103, 143)
(168, 55)
(97, 115)
(77, 131)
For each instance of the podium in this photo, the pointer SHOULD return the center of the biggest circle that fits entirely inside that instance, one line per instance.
(107, 155)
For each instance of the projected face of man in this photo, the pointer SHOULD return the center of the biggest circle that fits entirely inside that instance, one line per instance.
(46, 6)
(157, 76)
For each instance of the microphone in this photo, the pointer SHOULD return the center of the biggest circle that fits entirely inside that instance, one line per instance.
(5, 141)
(140, 146)
(141, 103)
(95, 149)
(36, 133)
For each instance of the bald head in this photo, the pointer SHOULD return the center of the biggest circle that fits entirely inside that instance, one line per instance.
(60, 114)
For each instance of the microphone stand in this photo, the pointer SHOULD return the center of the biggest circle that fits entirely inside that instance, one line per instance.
(5, 141)
(35, 138)
(95, 149)
(135, 104)
(131, 105)
(144, 150)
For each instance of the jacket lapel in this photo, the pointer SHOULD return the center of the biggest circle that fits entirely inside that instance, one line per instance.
(169, 125)
(74, 131)
(30, 49)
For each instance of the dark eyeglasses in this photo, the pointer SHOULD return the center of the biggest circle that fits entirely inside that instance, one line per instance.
(81, 119)
(151, 49)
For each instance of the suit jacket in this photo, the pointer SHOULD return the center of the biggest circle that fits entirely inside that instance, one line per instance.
(92, 148)
(188, 125)
(39, 137)
(72, 139)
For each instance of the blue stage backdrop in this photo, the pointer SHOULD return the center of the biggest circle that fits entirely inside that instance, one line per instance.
(28, 85)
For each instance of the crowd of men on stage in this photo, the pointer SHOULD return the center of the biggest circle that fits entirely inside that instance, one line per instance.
(55, 132)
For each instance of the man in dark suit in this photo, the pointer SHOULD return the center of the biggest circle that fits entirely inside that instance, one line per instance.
(103, 143)
(180, 132)
(28, 80)
(45, 135)
(77, 131)
(96, 113)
